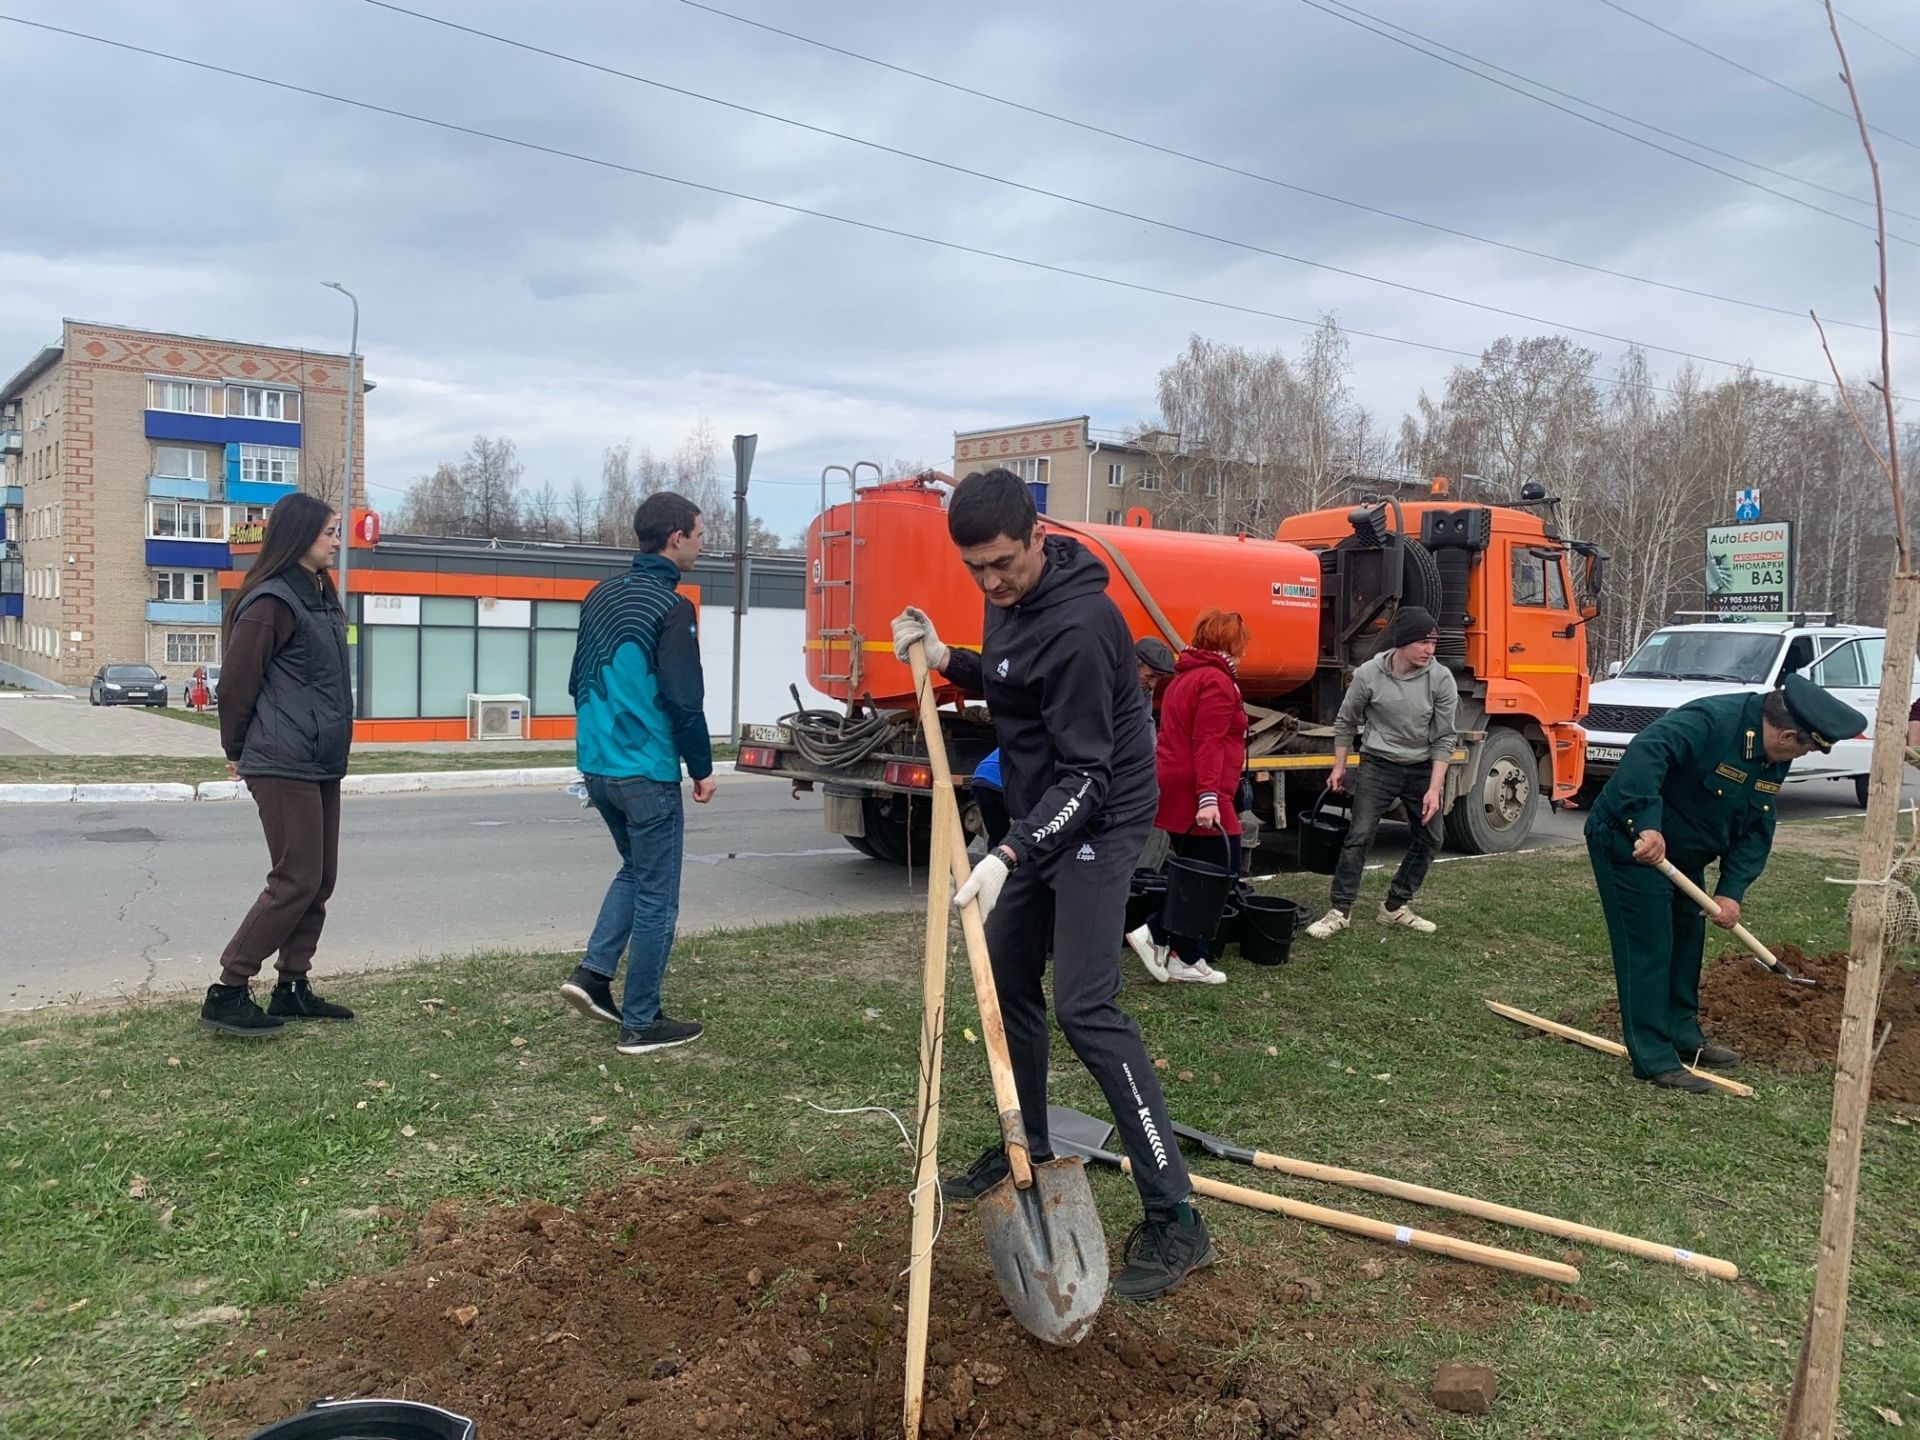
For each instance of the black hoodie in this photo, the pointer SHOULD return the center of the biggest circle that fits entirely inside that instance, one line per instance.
(1060, 679)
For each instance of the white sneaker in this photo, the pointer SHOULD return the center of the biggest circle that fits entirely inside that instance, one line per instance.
(1153, 956)
(1406, 917)
(1328, 925)
(1198, 973)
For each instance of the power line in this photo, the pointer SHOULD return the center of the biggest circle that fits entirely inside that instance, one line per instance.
(1419, 49)
(782, 205)
(1229, 169)
(1481, 61)
(1846, 115)
(1888, 39)
(1085, 204)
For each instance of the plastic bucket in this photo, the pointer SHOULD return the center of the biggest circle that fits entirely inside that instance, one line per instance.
(1323, 832)
(1145, 897)
(1267, 924)
(370, 1420)
(1227, 932)
(1196, 891)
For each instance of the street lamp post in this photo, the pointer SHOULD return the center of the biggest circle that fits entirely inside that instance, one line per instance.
(346, 482)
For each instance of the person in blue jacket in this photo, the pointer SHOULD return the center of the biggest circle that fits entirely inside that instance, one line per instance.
(638, 694)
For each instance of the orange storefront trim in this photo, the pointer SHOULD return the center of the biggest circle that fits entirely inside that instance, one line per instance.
(390, 732)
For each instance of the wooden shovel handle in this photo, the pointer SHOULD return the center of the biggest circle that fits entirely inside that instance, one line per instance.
(1606, 1046)
(993, 1033)
(1501, 1214)
(1712, 906)
(1404, 1235)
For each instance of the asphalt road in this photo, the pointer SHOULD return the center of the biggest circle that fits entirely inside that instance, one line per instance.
(107, 900)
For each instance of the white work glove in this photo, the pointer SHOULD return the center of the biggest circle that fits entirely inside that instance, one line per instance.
(984, 884)
(912, 624)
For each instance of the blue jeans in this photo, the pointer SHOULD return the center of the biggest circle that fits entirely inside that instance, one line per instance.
(643, 902)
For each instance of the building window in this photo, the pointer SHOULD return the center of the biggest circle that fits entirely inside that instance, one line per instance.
(270, 464)
(168, 520)
(1114, 517)
(259, 403)
(187, 397)
(181, 585)
(192, 647)
(1117, 476)
(1212, 487)
(1149, 479)
(1033, 469)
(178, 462)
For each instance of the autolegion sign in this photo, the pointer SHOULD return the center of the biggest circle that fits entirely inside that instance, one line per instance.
(1750, 568)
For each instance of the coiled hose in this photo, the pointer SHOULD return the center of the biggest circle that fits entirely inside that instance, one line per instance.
(829, 740)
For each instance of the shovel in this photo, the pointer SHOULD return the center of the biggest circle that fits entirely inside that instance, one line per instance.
(1044, 1237)
(1768, 960)
(1078, 1133)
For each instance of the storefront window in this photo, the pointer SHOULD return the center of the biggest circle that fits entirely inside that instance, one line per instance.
(503, 662)
(552, 666)
(446, 669)
(393, 671)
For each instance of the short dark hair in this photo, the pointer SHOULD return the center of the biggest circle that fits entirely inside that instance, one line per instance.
(1777, 713)
(662, 516)
(989, 504)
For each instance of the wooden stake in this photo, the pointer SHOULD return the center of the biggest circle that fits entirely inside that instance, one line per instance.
(1502, 1214)
(1815, 1399)
(1405, 1235)
(1606, 1046)
(926, 1170)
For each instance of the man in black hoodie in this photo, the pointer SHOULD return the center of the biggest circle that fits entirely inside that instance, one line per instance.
(1058, 672)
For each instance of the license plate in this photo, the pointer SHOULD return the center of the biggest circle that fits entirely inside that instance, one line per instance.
(1604, 752)
(767, 734)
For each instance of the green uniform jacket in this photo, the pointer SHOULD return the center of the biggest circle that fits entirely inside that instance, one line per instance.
(1700, 776)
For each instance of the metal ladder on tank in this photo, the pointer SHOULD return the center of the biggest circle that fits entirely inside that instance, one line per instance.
(829, 633)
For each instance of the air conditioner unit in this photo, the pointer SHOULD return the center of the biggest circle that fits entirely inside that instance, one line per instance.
(498, 717)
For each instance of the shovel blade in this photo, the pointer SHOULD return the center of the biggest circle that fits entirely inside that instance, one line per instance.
(1048, 1250)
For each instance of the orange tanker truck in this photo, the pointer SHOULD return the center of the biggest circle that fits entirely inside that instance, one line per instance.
(1509, 592)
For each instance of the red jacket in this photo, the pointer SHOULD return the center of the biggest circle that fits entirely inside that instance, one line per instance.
(1203, 742)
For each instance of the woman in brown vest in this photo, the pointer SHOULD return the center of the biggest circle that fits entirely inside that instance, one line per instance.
(286, 723)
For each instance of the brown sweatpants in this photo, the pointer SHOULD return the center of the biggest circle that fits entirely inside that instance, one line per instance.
(302, 821)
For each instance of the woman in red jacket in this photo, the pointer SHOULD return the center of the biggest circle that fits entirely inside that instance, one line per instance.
(1201, 752)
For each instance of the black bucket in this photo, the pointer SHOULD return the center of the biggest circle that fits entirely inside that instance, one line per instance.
(1267, 924)
(1323, 833)
(1145, 896)
(1227, 932)
(370, 1420)
(1196, 891)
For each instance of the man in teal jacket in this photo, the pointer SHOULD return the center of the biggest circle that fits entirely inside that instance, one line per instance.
(1701, 783)
(638, 692)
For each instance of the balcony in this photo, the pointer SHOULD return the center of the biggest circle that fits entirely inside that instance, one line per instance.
(257, 492)
(178, 487)
(12, 442)
(177, 554)
(220, 429)
(12, 497)
(183, 612)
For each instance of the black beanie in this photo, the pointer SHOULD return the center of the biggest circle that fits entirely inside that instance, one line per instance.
(1409, 623)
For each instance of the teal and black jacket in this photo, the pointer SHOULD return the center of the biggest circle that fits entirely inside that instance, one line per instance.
(637, 688)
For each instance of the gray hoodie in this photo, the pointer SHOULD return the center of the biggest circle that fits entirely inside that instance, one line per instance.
(1407, 720)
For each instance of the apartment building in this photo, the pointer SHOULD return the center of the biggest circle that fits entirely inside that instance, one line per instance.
(1076, 472)
(128, 459)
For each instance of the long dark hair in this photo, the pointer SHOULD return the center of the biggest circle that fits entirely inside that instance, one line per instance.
(293, 525)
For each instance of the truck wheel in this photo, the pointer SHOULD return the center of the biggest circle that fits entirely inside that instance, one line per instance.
(1494, 813)
(893, 838)
(863, 845)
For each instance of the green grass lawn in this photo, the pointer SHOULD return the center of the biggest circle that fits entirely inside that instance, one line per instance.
(149, 1170)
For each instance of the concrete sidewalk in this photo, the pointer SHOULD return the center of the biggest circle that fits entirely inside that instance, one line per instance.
(58, 725)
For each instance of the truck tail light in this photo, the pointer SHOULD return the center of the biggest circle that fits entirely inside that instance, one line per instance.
(757, 757)
(909, 775)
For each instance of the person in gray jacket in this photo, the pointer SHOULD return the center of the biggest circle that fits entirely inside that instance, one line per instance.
(1406, 705)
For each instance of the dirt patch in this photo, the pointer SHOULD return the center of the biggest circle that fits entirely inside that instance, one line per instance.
(721, 1308)
(1796, 1028)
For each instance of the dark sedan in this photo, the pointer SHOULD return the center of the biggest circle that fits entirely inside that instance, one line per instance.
(127, 685)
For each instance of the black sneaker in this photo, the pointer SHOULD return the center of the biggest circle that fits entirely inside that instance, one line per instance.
(663, 1034)
(591, 995)
(1681, 1080)
(230, 1008)
(296, 1000)
(978, 1178)
(1161, 1254)
(1716, 1057)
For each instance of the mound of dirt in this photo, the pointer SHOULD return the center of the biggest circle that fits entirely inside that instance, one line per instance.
(722, 1308)
(1796, 1028)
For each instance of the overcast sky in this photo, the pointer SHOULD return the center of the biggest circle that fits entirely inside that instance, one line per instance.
(571, 306)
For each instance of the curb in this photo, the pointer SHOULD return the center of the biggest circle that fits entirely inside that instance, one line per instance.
(398, 783)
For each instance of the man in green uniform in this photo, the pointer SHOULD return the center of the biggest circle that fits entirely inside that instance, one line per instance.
(1701, 783)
